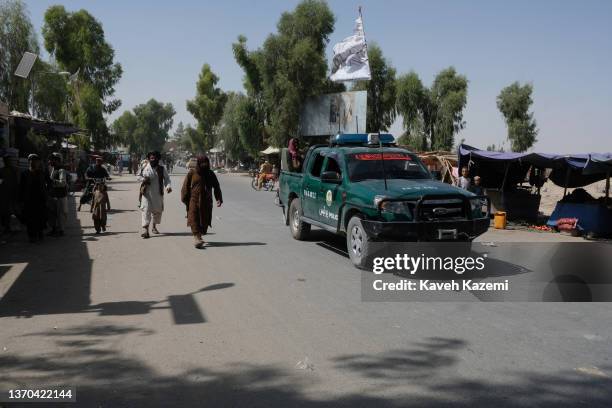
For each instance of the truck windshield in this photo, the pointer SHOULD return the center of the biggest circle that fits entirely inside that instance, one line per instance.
(397, 165)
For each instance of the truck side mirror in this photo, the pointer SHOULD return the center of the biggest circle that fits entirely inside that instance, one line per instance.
(331, 177)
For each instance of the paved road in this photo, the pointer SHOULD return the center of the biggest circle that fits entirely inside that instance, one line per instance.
(258, 319)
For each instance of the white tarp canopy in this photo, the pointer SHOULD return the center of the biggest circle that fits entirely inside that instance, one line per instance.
(271, 150)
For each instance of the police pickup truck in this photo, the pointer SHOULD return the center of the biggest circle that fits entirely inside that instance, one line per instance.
(364, 187)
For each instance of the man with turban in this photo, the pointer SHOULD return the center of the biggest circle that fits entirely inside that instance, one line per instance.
(199, 186)
(154, 178)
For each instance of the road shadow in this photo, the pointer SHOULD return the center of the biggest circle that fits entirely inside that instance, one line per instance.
(83, 356)
(57, 275)
(183, 307)
(331, 242)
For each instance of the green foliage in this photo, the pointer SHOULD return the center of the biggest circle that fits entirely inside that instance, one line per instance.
(514, 102)
(381, 91)
(432, 116)
(51, 93)
(76, 40)
(16, 37)
(207, 108)
(197, 142)
(124, 130)
(288, 68)
(88, 114)
(230, 133)
(146, 128)
(411, 141)
(494, 148)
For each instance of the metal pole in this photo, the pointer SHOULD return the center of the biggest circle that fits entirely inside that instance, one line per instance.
(505, 176)
(567, 176)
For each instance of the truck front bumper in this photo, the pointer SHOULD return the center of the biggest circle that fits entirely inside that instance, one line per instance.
(455, 230)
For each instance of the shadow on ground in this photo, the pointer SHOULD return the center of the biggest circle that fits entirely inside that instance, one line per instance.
(83, 357)
(57, 280)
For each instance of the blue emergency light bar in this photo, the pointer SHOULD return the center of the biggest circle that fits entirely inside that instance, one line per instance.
(363, 138)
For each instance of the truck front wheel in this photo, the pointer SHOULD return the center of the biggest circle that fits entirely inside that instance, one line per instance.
(357, 243)
(299, 228)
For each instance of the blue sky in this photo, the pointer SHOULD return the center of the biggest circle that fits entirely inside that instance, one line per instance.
(564, 48)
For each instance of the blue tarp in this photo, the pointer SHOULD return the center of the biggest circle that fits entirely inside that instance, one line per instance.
(569, 170)
(592, 217)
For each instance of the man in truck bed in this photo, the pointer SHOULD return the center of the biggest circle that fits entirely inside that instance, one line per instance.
(364, 187)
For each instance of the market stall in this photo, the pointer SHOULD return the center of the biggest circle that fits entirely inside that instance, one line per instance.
(513, 181)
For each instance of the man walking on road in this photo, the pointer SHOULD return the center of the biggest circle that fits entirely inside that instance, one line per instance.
(198, 188)
(154, 178)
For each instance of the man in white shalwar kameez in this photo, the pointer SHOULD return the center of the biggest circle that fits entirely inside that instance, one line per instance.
(155, 178)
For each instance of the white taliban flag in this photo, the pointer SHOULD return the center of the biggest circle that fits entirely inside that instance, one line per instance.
(350, 61)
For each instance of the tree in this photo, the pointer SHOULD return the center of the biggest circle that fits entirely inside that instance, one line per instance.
(381, 91)
(145, 128)
(154, 121)
(287, 69)
(179, 133)
(16, 37)
(195, 139)
(124, 130)
(207, 108)
(432, 116)
(89, 115)
(230, 133)
(76, 40)
(514, 102)
(51, 93)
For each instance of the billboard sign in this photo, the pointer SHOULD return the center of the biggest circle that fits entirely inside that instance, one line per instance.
(330, 114)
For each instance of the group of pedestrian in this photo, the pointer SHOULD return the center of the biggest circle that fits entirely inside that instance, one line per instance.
(38, 198)
(199, 188)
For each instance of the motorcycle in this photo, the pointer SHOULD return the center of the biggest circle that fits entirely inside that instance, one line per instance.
(267, 185)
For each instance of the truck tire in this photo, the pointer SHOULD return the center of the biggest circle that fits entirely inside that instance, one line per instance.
(357, 243)
(299, 228)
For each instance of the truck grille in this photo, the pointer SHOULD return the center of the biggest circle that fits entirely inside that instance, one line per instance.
(442, 210)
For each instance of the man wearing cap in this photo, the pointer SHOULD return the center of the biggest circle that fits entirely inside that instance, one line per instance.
(33, 198)
(97, 171)
(154, 178)
(58, 193)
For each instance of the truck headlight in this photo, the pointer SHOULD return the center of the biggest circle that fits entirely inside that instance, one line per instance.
(396, 207)
(378, 199)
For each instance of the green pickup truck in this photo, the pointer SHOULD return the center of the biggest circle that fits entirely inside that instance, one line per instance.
(364, 187)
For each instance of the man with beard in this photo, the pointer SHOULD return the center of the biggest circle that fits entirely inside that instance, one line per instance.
(197, 194)
(33, 198)
(154, 179)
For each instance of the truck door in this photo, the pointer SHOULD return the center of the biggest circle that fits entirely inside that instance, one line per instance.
(331, 194)
(312, 185)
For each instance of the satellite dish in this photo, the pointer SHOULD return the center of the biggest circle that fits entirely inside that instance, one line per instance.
(25, 65)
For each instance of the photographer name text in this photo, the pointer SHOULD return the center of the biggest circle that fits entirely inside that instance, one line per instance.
(426, 285)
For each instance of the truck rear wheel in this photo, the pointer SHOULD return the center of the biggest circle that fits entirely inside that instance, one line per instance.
(357, 243)
(299, 228)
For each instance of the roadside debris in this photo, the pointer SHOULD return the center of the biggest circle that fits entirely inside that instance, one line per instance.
(304, 365)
